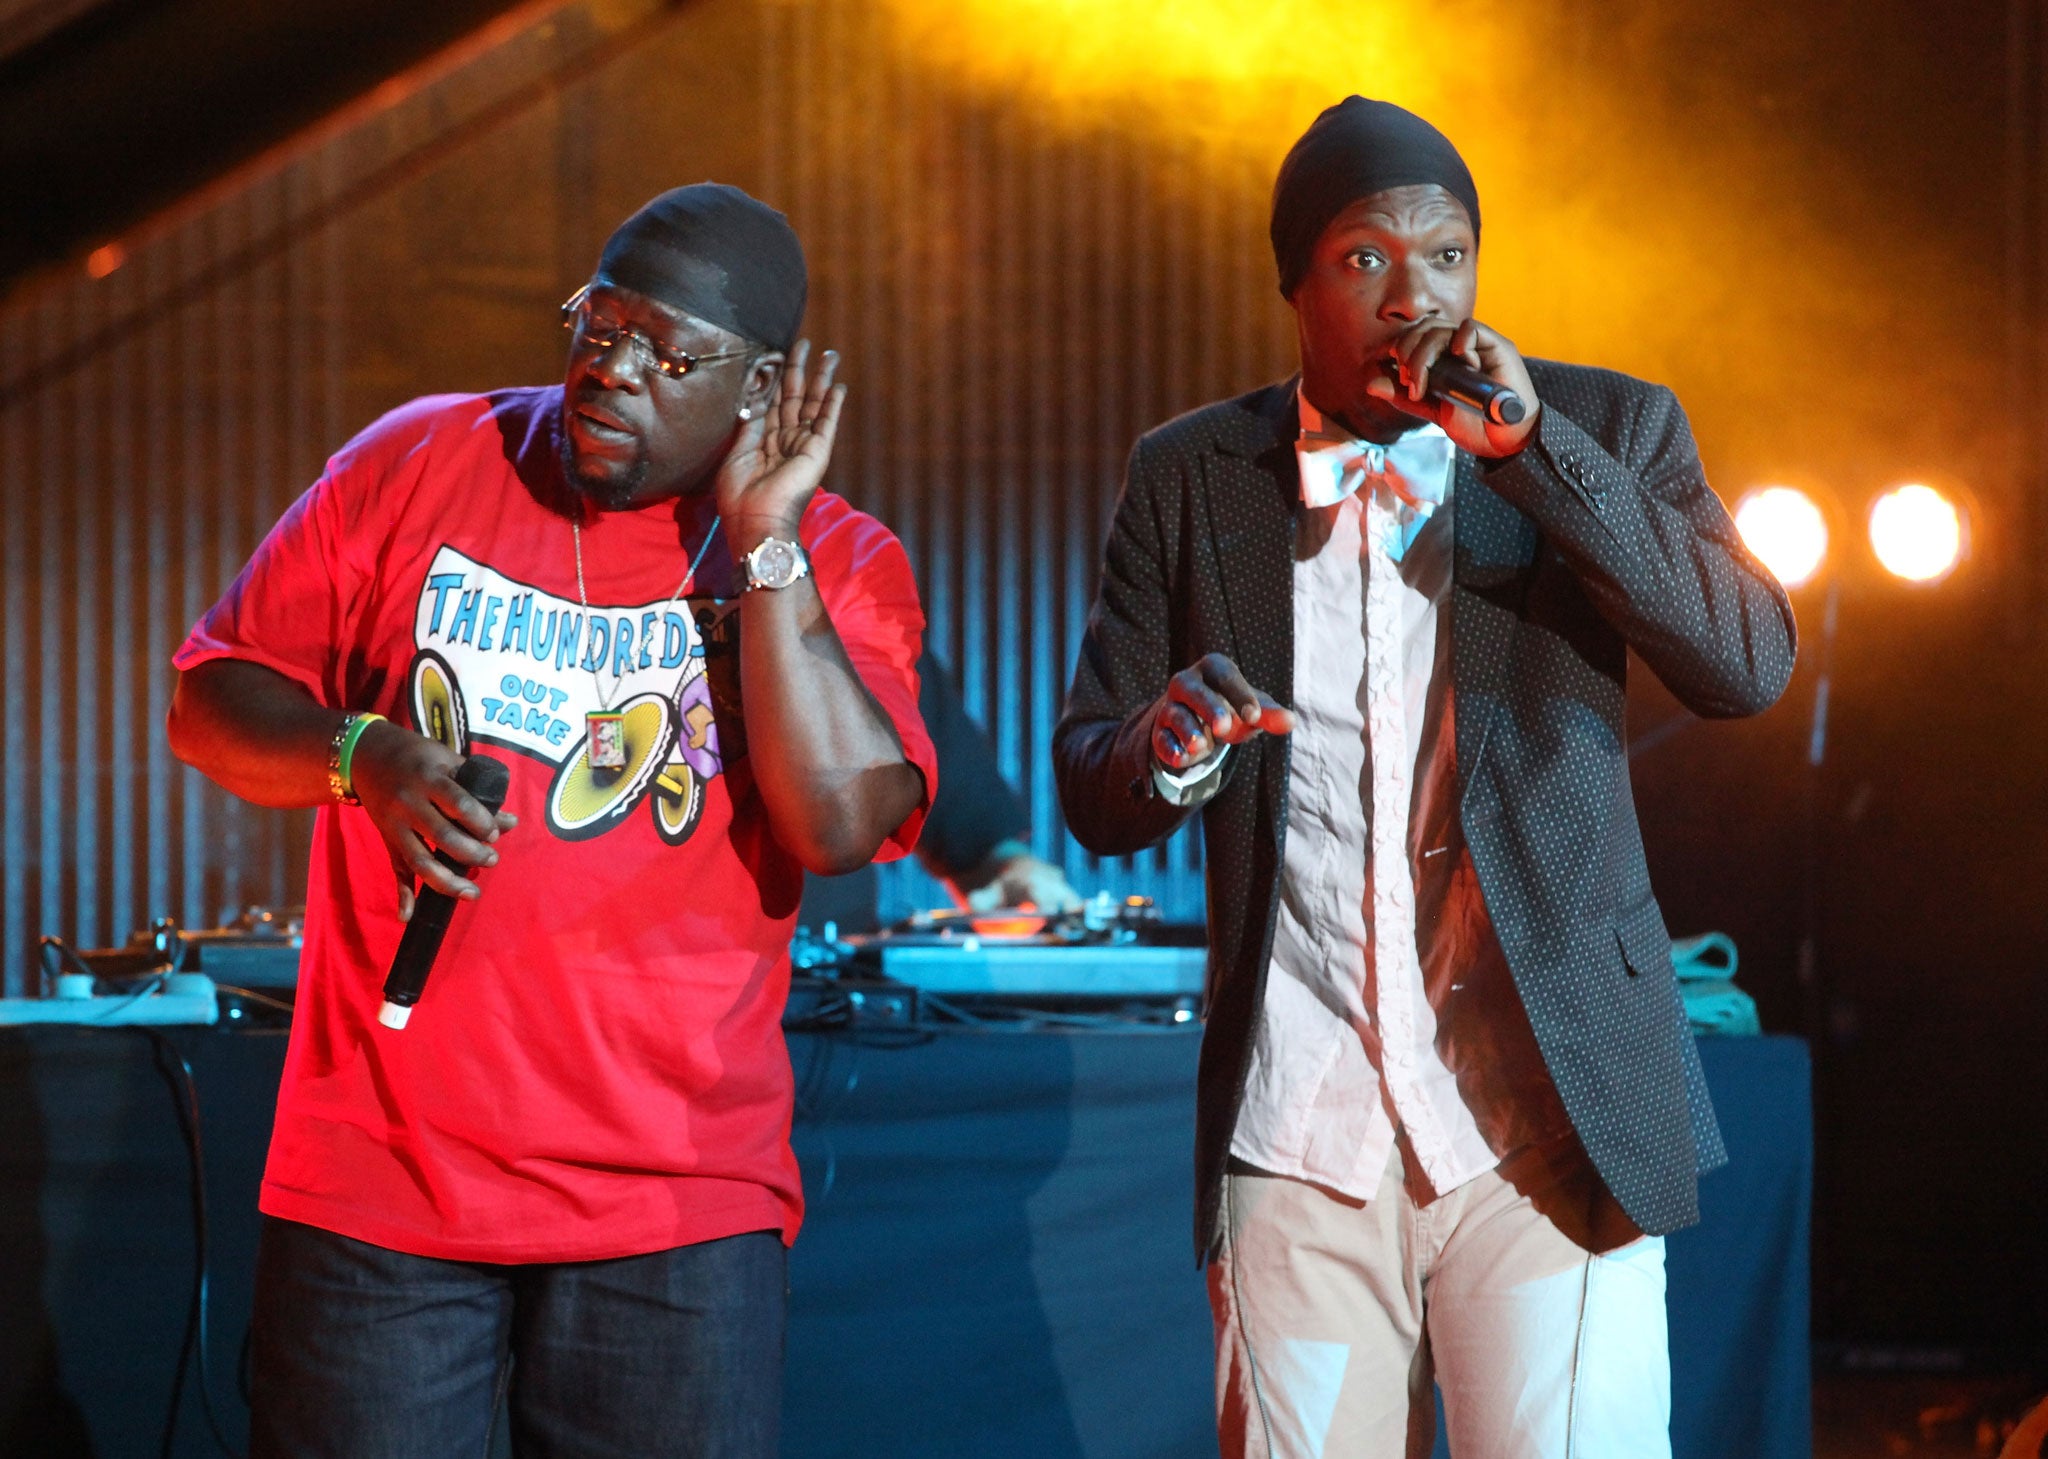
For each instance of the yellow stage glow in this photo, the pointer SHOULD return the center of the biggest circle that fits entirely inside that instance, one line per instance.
(1096, 52)
(1236, 77)
(1783, 527)
(1917, 533)
(1622, 228)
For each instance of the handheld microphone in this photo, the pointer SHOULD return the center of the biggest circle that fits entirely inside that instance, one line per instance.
(1453, 380)
(486, 780)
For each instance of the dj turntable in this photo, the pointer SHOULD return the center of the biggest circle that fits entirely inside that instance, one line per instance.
(997, 962)
(1106, 950)
(166, 974)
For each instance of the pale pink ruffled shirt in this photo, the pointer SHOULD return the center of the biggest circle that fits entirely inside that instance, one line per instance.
(1388, 1002)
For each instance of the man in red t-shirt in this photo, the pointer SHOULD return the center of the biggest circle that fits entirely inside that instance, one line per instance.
(571, 1165)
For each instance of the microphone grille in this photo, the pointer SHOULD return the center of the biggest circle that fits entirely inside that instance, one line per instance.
(486, 779)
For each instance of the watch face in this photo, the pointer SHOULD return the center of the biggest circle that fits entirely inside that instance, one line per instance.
(776, 563)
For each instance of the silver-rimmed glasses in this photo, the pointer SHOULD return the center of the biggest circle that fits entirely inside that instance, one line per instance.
(595, 328)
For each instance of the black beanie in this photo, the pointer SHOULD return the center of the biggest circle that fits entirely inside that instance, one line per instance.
(1353, 150)
(712, 251)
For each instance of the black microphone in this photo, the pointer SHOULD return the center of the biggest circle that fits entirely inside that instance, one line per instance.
(486, 780)
(1452, 380)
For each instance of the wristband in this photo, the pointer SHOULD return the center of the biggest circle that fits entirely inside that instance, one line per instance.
(341, 755)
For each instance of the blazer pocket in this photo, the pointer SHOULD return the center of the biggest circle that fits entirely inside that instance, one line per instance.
(1645, 945)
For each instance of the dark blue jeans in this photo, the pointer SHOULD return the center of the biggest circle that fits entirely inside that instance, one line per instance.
(357, 1352)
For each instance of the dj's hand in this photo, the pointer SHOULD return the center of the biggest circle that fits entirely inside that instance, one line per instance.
(406, 783)
(1207, 705)
(1017, 878)
(1491, 353)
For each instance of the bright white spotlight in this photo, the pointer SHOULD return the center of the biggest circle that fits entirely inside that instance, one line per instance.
(1917, 533)
(1784, 528)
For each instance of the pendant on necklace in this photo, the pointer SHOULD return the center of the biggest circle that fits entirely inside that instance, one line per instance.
(607, 730)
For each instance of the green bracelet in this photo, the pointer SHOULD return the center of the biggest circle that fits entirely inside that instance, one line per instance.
(340, 764)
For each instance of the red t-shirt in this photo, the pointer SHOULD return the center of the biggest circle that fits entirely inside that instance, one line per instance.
(596, 1067)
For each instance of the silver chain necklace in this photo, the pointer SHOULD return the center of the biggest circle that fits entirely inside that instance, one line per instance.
(604, 727)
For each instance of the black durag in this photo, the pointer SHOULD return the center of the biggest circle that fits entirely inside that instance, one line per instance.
(1353, 150)
(712, 251)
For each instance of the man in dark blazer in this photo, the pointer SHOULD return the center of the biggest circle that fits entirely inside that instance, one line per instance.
(1448, 1100)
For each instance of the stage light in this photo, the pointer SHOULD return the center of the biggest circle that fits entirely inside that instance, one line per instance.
(1784, 528)
(1917, 533)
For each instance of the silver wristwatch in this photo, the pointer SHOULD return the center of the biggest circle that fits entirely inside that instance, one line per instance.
(775, 564)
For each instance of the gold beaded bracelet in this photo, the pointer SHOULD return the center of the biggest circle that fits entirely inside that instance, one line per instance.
(341, 753)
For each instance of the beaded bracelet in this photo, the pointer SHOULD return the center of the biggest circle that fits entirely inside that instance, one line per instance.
(341, 753)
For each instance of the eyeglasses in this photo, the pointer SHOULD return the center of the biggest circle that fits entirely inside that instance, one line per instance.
(577, 315)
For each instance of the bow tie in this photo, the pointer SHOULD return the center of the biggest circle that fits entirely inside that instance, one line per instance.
(1415, 471)
(1416, 468)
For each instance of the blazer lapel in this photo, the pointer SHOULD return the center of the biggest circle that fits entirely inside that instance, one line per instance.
(1495, 546)
(1251, 488)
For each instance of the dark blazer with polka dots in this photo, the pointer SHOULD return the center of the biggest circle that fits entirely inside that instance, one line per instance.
(1601, 535)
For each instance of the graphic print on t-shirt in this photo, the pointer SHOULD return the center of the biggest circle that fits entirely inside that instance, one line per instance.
(497, 661)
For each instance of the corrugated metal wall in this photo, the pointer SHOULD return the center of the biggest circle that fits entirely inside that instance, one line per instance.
(1014, 305)
(152, 425)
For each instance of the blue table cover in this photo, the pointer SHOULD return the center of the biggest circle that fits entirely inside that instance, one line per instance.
(997, 1260)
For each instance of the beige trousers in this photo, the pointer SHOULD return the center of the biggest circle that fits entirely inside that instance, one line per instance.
(1539, 1312)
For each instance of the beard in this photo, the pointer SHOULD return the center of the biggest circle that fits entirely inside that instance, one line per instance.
(599, 487)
